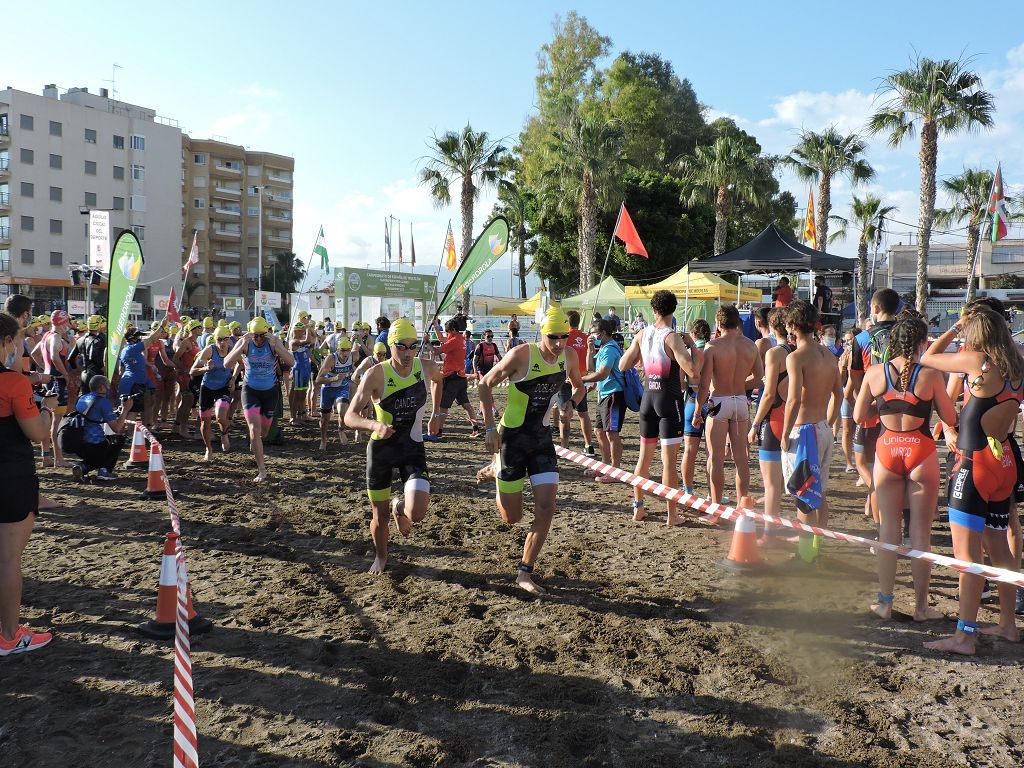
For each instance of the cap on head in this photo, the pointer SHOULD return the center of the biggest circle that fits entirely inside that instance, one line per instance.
(344, 343)
(258, 325)
(155, 325)
(208, 323)
(401, 329)
(299, 326)
(380, 348)
(59, 317)
(555, 322)
(94, 323)
(222, 332)
(192, 325)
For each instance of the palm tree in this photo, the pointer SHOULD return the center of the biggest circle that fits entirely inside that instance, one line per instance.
(191, 286)
(473, 160)
(587, 157)
(514, 205)
(285, 274)
(867, 217)
(969, 199)
(822, 156)
(723, 173)
(937, 98)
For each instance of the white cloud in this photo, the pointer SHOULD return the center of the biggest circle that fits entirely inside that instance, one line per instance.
(848, 111)
(257, 91)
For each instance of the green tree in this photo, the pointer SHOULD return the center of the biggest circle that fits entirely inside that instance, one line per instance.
(819, 157)
(868, 214)
(968, 194)
(472, 160)
(514, 203)
(586, 160)
(284, 274)
(724, 173)
(938, 98)
(192, 285)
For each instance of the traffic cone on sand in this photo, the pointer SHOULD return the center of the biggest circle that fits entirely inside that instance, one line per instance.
(155, 480)
(743, 553)
(139, 454)
(162, 627)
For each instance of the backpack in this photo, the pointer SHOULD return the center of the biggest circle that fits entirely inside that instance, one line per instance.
(633, 391)
(878, 348)
(71, 430)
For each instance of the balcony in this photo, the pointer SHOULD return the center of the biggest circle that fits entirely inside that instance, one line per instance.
(5, 166)
(279, 198)
(227, 169)
(225, 213)
(5, 266)
(282, 216)
(229, 255)
(234, 191)
(5, 234)
(279, 238)
(5, 200)
(281, 177)
(5, 137)
(221, 233)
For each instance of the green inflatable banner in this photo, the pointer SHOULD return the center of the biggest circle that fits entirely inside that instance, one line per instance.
(125, 268)
(488, 248)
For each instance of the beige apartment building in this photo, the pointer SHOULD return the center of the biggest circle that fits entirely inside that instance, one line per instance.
(225, 188)
(947, 263)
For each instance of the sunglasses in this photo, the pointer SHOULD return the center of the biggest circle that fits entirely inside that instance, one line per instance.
(404, 347)
(558, 337)
(259, 335)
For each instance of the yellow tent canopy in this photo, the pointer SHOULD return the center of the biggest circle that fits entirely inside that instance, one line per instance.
(526, 308)
(703, 286)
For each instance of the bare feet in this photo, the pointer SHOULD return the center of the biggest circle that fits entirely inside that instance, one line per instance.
(485, 473)
(225, 442)
(959, 643)
(928, 614)
(343, 437)
(639, 514)
(323, 445)
(208, 456)
(1010, 633)
(674, 520)
(525, 582)
(378, 566)
(261, 477)
(882, 610)
(47, 503)
(605, 479)
(398, 513)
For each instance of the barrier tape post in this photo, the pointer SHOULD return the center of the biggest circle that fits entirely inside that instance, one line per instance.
(713, 512)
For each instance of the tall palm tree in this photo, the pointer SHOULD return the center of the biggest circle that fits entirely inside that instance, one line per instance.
(868, 214)
(285, 274)
(587, 157)
(472, 160)
(192, 285)
(969, 198)
(723, 173)
(819, 157)
(938, 98)
(514, 204)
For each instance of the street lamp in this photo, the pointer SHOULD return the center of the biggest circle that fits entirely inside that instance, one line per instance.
(259, 235)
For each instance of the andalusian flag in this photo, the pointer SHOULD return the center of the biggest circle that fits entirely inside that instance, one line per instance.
(451, 261)
(810, 231)
(319, 249)
(997, 206)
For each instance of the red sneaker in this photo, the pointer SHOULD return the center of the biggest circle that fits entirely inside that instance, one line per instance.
(24, 641)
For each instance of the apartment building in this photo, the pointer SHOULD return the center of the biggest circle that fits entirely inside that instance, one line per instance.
(225, 189)
(947, 264)
(65, 153)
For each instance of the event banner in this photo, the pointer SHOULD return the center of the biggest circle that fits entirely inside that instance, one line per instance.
(125, 267)
(488, 248)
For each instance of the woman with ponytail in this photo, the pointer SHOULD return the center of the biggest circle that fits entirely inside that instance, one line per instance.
(906, 473)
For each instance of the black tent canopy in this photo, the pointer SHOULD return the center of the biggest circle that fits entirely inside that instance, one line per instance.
(774, 251)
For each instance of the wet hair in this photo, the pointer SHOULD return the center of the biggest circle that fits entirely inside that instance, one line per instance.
(803, 316)
(777, 320)
(761, 317)
(607, 327)
(9, 326)
(17, 305)
(700, 330)
(728, 317)
(905, 340)
(574, 318)
(664, 303)
(985, 331)
(887, 300)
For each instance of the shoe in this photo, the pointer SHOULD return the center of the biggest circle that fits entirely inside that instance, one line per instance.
(78, 471)
(24, 641)
(986, 592)
(104, 474)
(431, 438)
(590, 450)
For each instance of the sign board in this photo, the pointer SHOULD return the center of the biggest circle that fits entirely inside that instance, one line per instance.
(79, 308)
(161, 302)
(99, 240)
(364, 292)
(136, 308)
(233, 303)
(268, 299)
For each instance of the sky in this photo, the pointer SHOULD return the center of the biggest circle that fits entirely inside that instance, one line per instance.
(354, 91)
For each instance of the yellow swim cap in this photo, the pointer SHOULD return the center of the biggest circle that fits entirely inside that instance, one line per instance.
(222, 323)
(207, 323)
(401, 329)
(380, 348)
(555, 322)
(222, 332)
(299, 326)
(258, 325)
(344, 343)
(234, 324)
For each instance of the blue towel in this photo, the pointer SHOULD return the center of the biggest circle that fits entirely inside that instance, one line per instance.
(805, 482)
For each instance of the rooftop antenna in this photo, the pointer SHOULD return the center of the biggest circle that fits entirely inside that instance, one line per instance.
(113, 80)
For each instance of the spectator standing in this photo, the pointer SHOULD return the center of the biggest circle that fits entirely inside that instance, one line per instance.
(783, 293)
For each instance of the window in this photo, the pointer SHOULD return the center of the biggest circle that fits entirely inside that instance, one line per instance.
(28, 157)
(199, 225)
(27, 123)
(254, 210)
(56, 259)
(118, 204)
(138, 172)
(56, 161)
(138, 141)
(1007, 255)
(254, 170)
(90, 199)
(28, 223)
(140, 231)
(198, 181)
(90, 136)
(56, 227)
(198, 203)
(199, 159)
(56, 195)
(137, 203)
(90, 167)
(28, 189)
(252, 190)
(56, 129)
(118, 173)
(4, 129)
(28, 256)
(119, 142)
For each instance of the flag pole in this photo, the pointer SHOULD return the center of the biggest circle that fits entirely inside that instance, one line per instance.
(312, 251)
(611, 242)
(188, 265)
(981, 229)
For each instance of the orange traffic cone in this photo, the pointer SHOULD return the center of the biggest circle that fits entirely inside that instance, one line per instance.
(155, 480)
(743, 554)
(162, 627)
(140, 453)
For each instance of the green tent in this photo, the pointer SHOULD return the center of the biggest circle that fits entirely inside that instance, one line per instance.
(610, 293)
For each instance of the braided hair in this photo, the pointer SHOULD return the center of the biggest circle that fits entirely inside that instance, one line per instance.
(905, 340)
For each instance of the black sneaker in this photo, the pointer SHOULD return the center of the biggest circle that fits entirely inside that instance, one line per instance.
(590, 450)
(78, 471)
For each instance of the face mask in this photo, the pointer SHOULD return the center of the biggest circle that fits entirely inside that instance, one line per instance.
(9, 359)
(830, 341)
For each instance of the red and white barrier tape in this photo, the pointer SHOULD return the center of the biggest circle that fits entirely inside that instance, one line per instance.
(186, 742)
(713, 512)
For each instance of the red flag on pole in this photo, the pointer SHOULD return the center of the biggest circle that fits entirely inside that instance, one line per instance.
(173, 316)
(193, 254)
(627, 233)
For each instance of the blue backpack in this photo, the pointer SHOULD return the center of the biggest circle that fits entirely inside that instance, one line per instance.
(633, 390)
